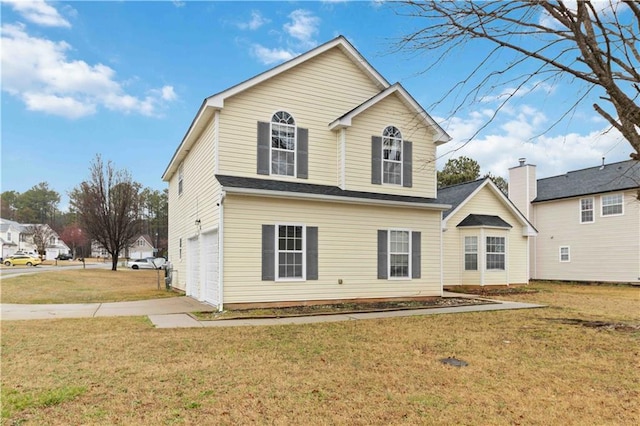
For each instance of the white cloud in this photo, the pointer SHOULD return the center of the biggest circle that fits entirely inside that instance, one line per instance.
(39, 72)
(303, 27)
(179, 3)
(271, 56)
(515, 92)
(257, 20)
(39, 12)
(602, 7)
(499, 147)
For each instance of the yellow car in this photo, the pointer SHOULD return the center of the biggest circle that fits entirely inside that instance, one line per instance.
(22, 259)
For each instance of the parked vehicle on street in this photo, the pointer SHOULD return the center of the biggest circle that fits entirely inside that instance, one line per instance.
(147, 263)
(64, 256)
(22, 259)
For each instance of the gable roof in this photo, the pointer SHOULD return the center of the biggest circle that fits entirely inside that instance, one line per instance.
(344, 121)
(594, 180)
(484, 220)
(286, 189)
(216, 101)
(458, 195)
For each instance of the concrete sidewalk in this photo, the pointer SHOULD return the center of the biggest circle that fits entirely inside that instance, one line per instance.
(188, 321)
(174, 312)
(171, 305)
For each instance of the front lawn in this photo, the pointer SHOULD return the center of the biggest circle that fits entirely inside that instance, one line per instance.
(84, 286)
(533, 367)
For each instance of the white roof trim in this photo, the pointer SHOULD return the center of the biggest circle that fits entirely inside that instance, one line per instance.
(334, 198)
(528, 229)
(345, 121)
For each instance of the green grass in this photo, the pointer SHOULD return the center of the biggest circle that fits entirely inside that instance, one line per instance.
(84, 286)
(525, 367)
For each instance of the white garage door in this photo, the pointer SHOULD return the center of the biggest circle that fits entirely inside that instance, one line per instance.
(193, 268)
(209, 264)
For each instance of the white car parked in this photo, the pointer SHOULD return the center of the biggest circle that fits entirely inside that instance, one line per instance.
(147, 263)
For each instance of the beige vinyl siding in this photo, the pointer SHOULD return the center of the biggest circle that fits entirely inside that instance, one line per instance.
(201, 193)
(484, 202)
(606, 250)
(391, 111)
(347, 250)
(315, 93)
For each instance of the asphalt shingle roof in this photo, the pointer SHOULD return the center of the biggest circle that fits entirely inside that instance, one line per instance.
(484, 220)
(594, 180)
(456, 194)
(308, 188)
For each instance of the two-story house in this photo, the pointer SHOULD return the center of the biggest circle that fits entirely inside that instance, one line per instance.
(313, 181)
(588, 221)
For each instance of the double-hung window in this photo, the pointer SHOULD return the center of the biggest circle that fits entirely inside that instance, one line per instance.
(283, 144)
(471, 253)
(565, 254)
(290, 251)
(495, 252)
(586, 210)
(392, 156)
(399, 254)
(180, 178)
(612, 204)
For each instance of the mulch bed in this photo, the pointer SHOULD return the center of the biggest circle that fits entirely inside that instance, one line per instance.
(341, 308)
(493, 291)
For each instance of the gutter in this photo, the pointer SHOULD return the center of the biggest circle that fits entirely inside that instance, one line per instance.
(221, 251)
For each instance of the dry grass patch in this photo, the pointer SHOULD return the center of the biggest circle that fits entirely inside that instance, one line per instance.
(84, 286)
(523, 368)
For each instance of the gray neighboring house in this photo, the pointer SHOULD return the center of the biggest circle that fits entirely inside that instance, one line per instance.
(588, 221)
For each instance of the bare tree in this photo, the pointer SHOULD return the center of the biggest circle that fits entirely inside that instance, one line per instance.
(592, 43)
(41, 235)
(107, 206)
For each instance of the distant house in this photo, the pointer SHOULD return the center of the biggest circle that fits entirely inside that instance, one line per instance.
(313, 181)
(485, 238)
(141, 247)
(16, 237)
(588, 221)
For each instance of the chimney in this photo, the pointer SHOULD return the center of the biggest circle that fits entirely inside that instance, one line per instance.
(523, 187)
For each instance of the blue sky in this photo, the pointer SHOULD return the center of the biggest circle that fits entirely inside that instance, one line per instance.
(125, 79)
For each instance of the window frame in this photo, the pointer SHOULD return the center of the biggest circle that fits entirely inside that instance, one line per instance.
(294, 152)
(621, 204)
(592, 210)
(568, 254)
(181, 179)
(408, 254)
(302, 252)
(399, 162)
(488, 253)
(468, 252)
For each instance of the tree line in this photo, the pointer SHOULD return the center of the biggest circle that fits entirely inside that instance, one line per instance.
(109, 207)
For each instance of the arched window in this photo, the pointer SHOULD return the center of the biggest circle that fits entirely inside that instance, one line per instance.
(283, 144)
(392, 156)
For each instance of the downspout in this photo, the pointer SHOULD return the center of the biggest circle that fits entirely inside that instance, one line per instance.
(441, 258)
(221, 251)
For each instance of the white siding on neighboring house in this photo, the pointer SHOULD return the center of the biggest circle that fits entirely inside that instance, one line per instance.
(605, 250)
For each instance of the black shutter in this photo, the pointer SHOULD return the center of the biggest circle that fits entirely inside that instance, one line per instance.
(407, 164)
(303, 153)
(416, 250)
(376, 160)
(268, 252)
(264, 146)
(382, 255)
(312, 252)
